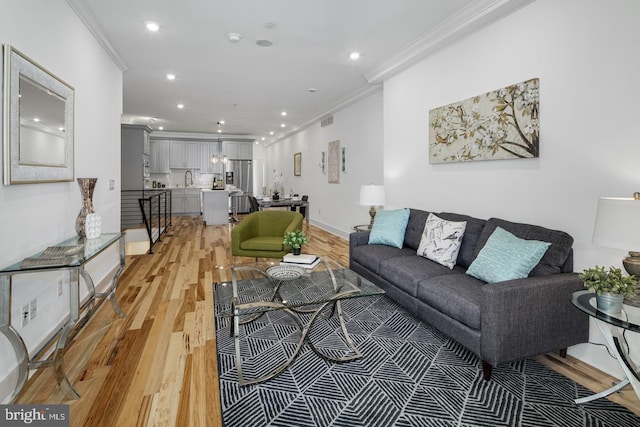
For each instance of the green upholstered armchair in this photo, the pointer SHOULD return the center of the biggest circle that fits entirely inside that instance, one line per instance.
(260, 234)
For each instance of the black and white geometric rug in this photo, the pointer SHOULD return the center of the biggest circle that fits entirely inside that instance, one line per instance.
(410, 375)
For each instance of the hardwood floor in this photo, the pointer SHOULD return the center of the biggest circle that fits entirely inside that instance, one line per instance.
(158, 365)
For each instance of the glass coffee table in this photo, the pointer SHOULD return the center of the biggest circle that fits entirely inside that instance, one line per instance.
(244, 293)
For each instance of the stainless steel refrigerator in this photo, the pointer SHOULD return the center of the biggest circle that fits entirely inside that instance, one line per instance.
(238, 173)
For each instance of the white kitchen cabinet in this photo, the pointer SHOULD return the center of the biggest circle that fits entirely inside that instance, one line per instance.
(237, 150)
(185, 201)
(134, 162)
(185, 155)
(245, 151)
(230, 149)
(207, 151)
(159, 156)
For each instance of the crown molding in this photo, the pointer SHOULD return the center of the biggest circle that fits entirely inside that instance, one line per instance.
(471, 18)
(89, 20)
(340, 105)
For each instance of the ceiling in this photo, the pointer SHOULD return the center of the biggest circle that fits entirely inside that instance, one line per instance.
(306, 71)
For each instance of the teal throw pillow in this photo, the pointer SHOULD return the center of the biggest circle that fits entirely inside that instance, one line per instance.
(389, 227)
(506, 257)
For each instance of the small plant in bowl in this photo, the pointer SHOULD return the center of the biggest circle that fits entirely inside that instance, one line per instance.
(609, 286)
(295, 240)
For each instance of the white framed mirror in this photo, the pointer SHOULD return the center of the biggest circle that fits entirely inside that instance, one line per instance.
(37, 123)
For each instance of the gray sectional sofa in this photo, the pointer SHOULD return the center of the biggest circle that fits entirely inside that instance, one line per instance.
(500, 322)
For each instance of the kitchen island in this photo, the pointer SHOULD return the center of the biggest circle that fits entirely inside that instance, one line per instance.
(215, 209)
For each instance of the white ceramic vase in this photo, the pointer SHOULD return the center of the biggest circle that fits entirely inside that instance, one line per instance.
(93, 226)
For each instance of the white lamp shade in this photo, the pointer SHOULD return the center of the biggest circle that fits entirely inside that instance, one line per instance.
(372, 195)
(618, 223)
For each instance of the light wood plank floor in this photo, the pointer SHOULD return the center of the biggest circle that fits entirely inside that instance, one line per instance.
(158, 365)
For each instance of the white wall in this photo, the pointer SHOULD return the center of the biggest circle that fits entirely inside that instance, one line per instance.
(37, 215)
(334, 207)
(585, 54)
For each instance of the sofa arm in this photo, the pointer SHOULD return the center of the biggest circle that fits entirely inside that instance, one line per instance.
(531, 316)
(359, 238)
(244, 230)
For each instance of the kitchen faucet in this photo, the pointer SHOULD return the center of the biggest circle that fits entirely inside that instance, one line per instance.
(190, 182)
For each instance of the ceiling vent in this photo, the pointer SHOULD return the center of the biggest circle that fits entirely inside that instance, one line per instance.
(327, 121)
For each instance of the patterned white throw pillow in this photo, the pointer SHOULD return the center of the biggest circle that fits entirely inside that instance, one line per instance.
(441, 240)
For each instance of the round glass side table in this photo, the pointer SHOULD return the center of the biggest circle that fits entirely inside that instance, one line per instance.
(612, 327)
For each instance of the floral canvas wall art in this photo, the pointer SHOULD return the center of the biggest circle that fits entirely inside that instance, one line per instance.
(502, 124)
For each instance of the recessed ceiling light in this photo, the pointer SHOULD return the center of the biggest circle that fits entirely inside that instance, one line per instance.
(264, 43)
(312, 89)
(221, 122)
(271, 133)
(263, 138)
(354, 55)
(219, 130)
(234, 37)
(36, 119)
(283, 125)
(171, 76)
(181, 106)
(152, 26)
(283, 113)
(61, 129)
(160, 127)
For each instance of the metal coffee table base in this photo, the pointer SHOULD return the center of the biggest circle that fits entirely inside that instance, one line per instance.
(337, 308)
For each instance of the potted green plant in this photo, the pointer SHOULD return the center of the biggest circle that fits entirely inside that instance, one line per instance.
(295, 240)
(609, 286)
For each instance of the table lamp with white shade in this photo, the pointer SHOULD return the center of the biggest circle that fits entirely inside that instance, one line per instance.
(618, 226)
(372, 195)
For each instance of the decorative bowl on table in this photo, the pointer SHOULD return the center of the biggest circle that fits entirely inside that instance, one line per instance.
(285, 272)
(266, 199)
(296, 198)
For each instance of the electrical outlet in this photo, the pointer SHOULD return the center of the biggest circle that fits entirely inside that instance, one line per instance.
(33, 309)
(24, 314)
(59, 288)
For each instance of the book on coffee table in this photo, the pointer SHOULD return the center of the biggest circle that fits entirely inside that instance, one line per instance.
(302, 260)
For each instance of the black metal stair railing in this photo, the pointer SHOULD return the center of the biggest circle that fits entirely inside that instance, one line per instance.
(155, 207)
(148, 209)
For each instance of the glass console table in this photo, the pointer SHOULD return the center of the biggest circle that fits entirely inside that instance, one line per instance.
(613, 327)
(71, 255)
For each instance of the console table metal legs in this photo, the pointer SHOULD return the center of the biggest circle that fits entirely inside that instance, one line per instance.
(70, 328)
(12, 335)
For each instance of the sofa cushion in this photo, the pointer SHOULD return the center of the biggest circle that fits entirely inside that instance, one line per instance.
(553, 260)
(389, 227)
(263, 243)
(415, 227)
(472, 233)
(456, 295)
(506, 257)
(406, 272)
(370, 256)
(441, 240)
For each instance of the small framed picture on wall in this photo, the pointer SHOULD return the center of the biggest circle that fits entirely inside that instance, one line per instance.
(297, 164)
